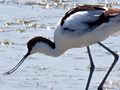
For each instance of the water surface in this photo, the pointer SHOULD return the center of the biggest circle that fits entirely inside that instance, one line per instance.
(21, 20)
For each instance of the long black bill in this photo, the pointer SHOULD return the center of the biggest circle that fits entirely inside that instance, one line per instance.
(21, 61)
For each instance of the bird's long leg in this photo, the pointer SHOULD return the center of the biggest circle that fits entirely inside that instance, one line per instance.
(91, 68)
(116, 57)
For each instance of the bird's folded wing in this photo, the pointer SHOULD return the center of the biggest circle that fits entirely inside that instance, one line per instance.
(84, 19)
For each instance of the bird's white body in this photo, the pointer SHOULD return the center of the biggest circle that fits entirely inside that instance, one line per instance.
(81, 34)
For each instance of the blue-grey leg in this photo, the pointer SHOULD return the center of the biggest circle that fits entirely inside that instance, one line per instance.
(116, 57)
(91, 68)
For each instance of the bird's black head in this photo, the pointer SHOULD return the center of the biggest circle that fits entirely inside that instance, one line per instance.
(31, 43)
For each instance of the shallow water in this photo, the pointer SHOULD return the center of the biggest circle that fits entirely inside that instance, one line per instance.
(20, 20)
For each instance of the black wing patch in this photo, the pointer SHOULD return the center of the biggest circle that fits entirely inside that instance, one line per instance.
(101, 19)
(105, 17)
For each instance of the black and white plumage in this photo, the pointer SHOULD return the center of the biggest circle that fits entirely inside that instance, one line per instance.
(80, 27)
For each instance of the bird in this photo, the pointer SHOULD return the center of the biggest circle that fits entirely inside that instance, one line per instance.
(80, 27)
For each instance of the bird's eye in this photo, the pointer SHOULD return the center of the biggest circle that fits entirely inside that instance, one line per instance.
(66, 28)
